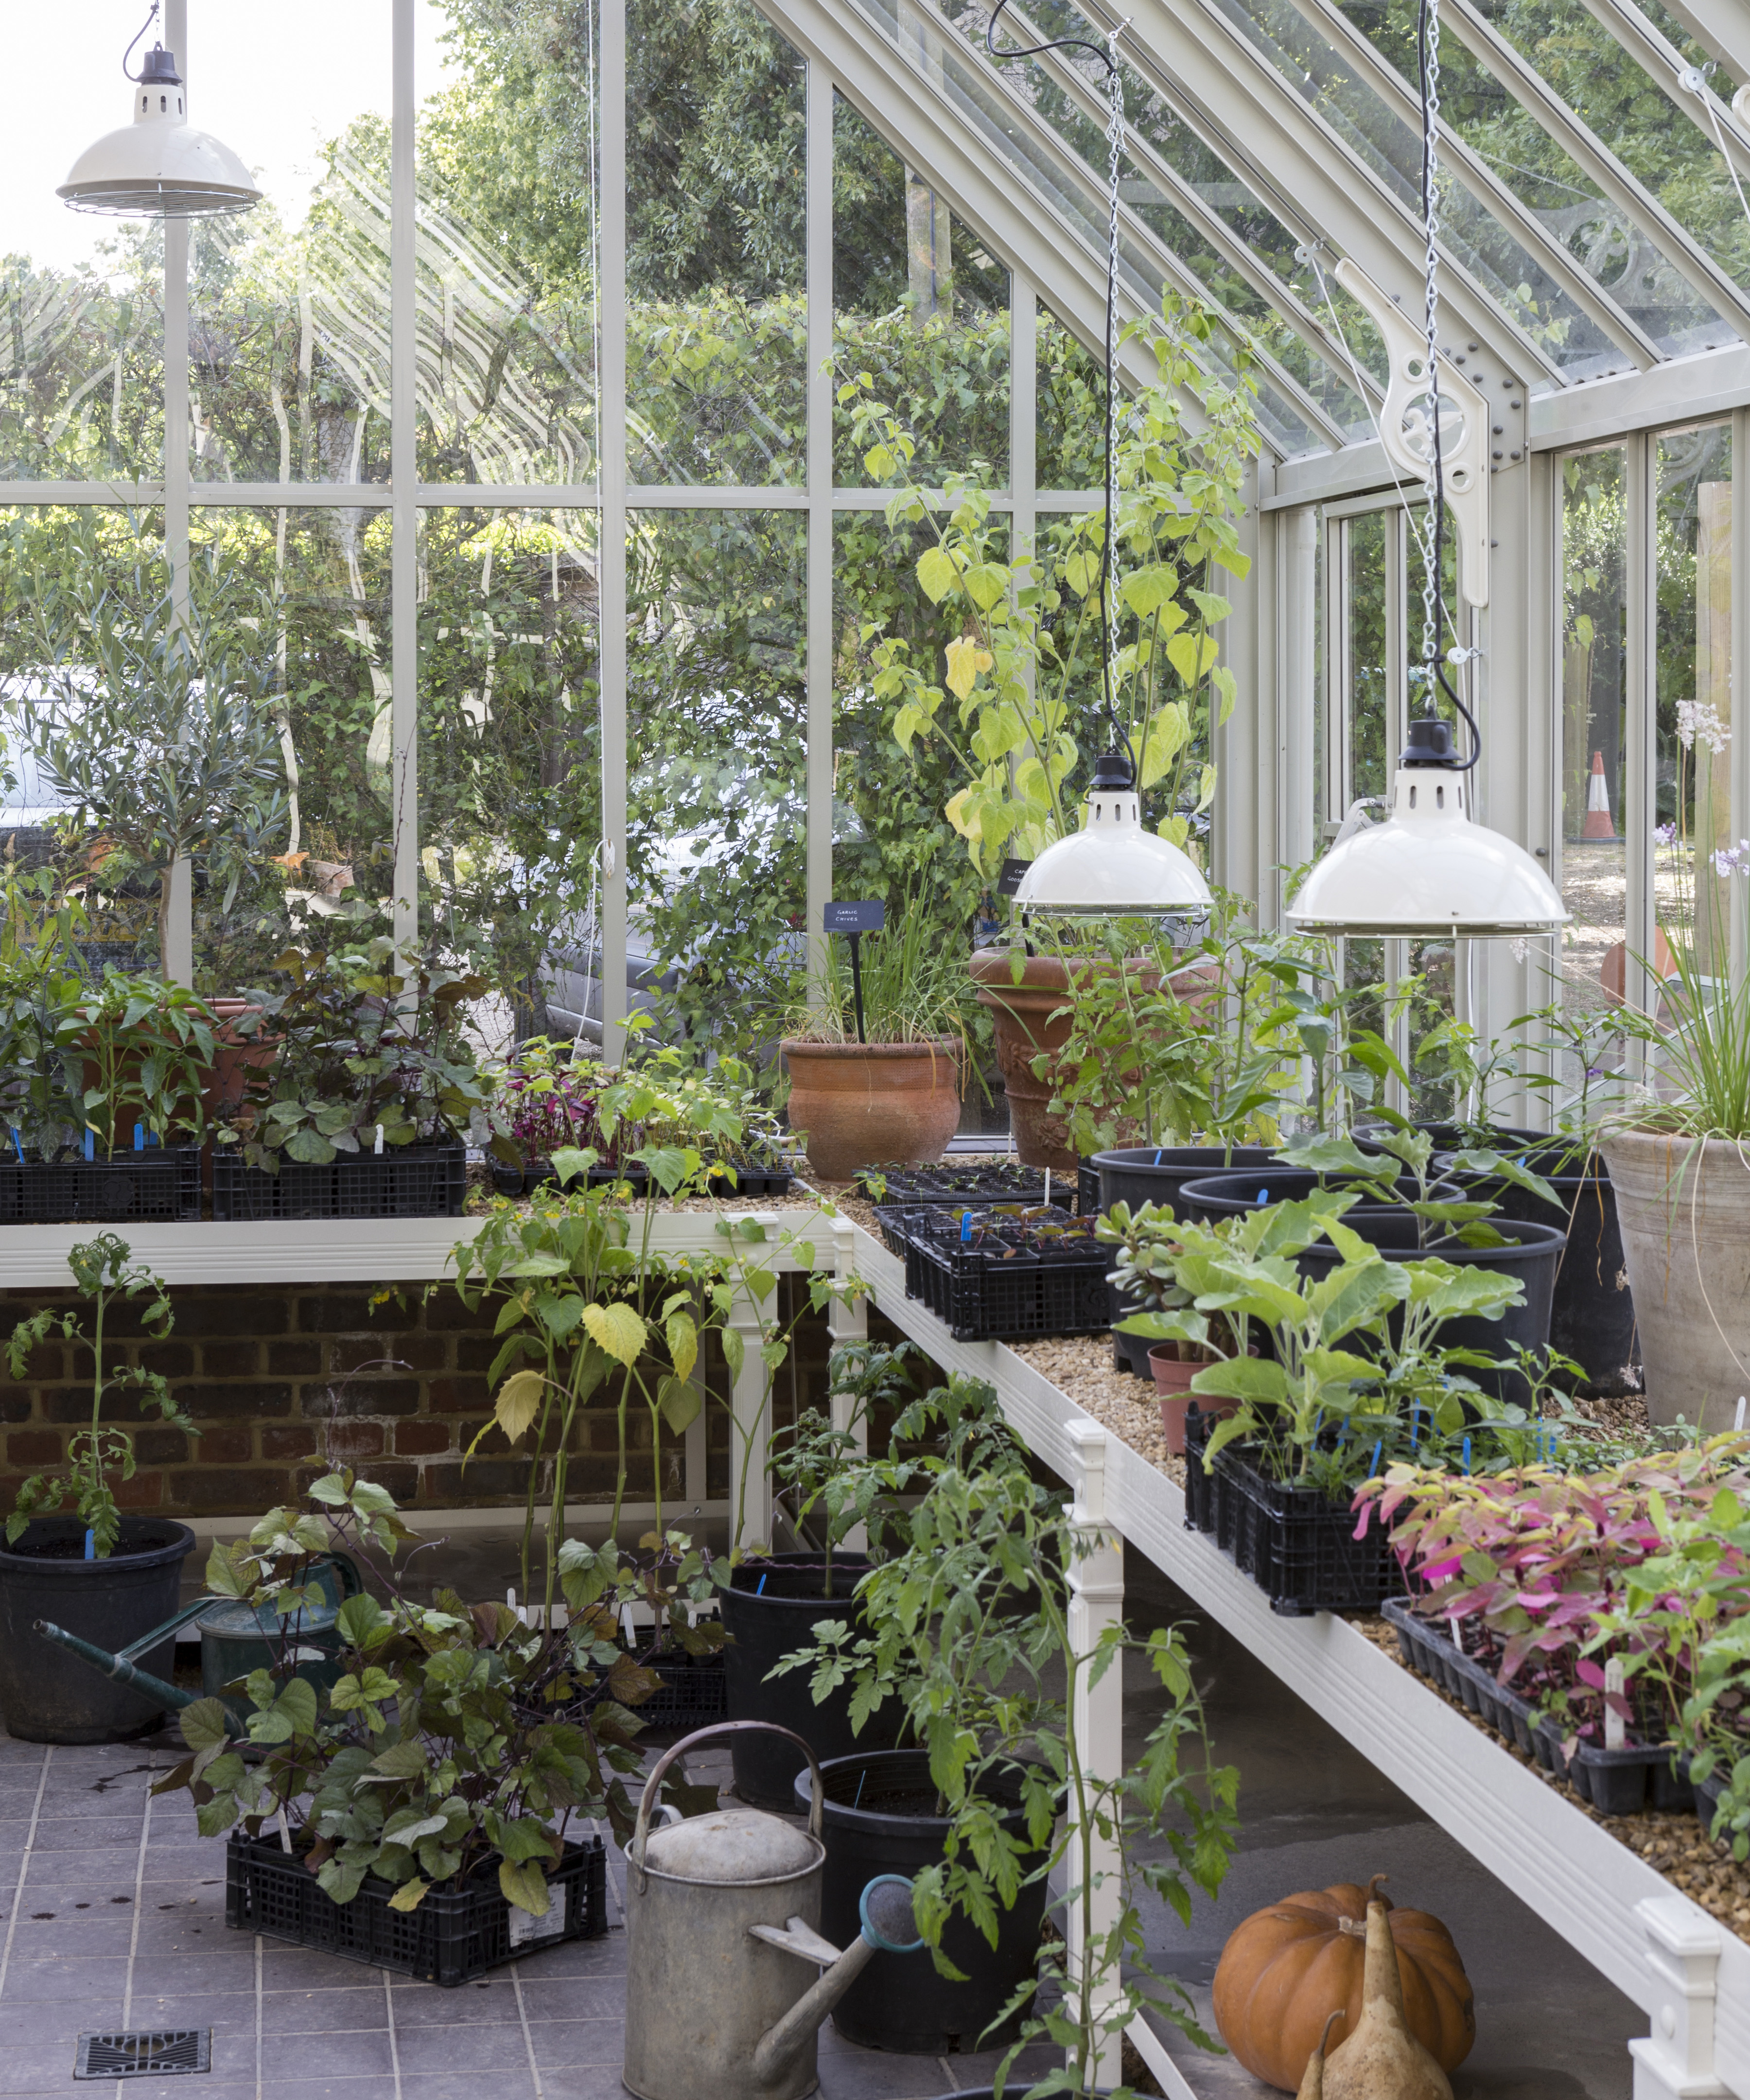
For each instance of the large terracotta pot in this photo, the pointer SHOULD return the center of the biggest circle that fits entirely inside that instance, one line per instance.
(862, 1103)
(1683, 1206)
(1034, 1015)
(235, 1055)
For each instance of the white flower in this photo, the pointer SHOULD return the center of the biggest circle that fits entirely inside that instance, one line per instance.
(1696, 718)
(1522, 947)
(1733, 860)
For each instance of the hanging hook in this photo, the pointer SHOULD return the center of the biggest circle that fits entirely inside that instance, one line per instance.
(136, 78)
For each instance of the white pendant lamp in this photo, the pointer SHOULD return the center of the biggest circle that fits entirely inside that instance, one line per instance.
(1430, 868)
(1113, 868)
(159, 167)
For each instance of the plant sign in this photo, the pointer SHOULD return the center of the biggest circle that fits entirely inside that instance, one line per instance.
(856, 919)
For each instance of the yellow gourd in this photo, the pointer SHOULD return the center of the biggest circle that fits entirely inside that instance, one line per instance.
(1382, 2060)
(1312, 2080)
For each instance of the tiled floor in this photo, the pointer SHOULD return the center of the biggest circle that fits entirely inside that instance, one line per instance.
(112, 1916)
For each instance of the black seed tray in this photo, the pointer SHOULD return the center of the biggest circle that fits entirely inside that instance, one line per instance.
(515, 1181)
(694, 1693)
(405, 1181)
(1615, 1782)
(455, 1935)
(1297, 1548)
(970, 1186)
(160, 1185)
(1199, 1487)
(982, 1296)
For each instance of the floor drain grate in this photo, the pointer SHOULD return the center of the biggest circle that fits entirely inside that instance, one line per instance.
(152, 2053)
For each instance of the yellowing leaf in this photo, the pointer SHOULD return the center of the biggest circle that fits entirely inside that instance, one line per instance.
(1168, 735)
(524, 1884)
(957, 815)
(409, 1895)
(965, 659)
(683, 1344)
(618, 1330)
(936, 574)
(518, 1402)
(1146, 590)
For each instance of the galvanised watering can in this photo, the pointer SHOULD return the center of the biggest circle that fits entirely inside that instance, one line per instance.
(723, 1928)
(235, 1638)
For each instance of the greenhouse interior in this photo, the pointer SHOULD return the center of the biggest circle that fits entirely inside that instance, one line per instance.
(875, 1038)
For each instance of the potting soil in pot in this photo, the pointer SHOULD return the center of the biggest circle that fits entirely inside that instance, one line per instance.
(882, 1818)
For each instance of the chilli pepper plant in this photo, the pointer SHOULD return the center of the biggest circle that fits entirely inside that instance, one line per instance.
(442, 1742)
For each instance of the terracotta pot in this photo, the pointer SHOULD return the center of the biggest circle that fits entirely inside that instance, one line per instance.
(234, 1056)
(1683, 1208)
(1172, 1380)
(1036, 1015)
(862, 1103)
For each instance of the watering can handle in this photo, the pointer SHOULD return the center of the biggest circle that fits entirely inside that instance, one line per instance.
(817, 1806)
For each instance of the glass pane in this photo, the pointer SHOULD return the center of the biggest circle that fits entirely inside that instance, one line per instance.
(314, 586)
(289, 303)
(1595, 726)
(1519, 281)
(510, 751)
(715, 218)
(716, 721)
(1676, 160)
(81, 295)
(1694, 653)
(1372, 734)
(119, 893)
(1565, 200)
(922, 308)
(1071, 385)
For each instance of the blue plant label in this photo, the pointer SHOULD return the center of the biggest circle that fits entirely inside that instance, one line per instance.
(868, 917)
(1009, 880)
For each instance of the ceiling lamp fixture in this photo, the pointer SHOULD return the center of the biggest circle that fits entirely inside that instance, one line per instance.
(1113, 868)
(1430, 868)
(158, 166)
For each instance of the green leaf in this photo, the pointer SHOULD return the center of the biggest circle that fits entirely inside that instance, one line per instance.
(937, 573)
(401, 1761)
(205, 1725)
(678, 1401)
(1245, 1377)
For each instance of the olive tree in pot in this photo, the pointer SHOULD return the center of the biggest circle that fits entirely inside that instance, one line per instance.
(107, 1577)
(875, 1068)
(968, 1632)
(1675, 1152)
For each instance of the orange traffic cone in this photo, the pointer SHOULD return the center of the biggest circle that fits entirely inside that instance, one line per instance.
(1599, 823)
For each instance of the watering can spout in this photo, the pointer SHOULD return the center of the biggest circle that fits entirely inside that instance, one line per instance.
(116, 1667)
(887, 1927)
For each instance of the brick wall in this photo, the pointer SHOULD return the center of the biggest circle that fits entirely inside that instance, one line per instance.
(275, 1375)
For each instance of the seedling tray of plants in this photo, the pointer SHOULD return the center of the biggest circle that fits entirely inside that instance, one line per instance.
(405, 1181)
(723, 1181)
(999, 1276)
(455, 1935)
(159, 1185)
(1621, 1782)
(995, 1181)
(693, 1692)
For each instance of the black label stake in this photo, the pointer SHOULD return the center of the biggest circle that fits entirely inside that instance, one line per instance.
(856, 919)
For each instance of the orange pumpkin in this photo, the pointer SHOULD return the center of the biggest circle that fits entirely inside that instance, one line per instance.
(1284, 1971)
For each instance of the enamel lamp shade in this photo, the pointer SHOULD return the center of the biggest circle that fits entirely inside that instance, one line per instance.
(158, 166)
(1429, 868)
(1112, 868)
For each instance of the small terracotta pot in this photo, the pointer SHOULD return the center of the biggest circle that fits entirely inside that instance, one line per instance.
(862, 1103)
(1172, 1379)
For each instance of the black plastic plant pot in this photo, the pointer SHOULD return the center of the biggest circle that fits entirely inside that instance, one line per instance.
(48, 1696)
(1139, 1174)
(770, 1611)
(1532, 1255)
(1214, 1196)
(881, 1819)
(1592, 1315)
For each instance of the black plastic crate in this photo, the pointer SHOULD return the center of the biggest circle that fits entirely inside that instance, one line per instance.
(693, 1692)
(982, 1295)
(402, 1181)
(998, 1181)
(1623, 1782)
(733, 1182)
(1087, 1188)
(160, 1184)
(455, 1935)
(1200, 1486)
(1299, 1548)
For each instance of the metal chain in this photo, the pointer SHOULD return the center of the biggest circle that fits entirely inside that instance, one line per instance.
(1431, 211)
(1114, 158)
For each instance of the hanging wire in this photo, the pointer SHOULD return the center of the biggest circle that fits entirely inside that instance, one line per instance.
(1107, 55)
(136, 77)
